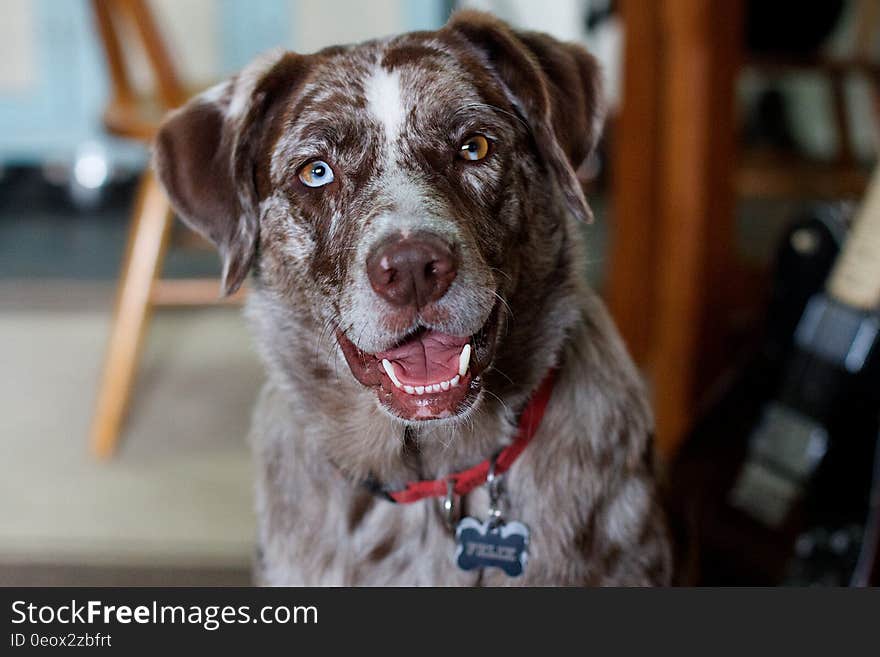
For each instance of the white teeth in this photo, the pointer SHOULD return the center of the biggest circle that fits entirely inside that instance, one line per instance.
(389, 370)
(432, 388)
(464, 360)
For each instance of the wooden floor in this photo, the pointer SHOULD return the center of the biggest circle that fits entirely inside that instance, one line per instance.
(64, 575)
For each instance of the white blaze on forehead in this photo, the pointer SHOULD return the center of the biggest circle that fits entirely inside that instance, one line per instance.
(384, 100)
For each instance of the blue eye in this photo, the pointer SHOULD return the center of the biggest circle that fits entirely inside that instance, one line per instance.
(316, 174)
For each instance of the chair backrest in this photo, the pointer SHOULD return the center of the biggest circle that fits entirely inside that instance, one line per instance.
(117, 22)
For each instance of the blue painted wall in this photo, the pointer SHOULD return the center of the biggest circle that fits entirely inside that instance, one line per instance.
(62, 106)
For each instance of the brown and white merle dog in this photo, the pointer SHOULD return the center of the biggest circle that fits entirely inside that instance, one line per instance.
(409, 211)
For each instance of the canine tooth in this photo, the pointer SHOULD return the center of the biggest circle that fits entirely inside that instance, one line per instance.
(389, 370)
(444, 385)
(464, 359)
(420, 390)
(455, 380)
(410, 390)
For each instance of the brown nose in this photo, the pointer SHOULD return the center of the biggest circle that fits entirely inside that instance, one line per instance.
(413, 270)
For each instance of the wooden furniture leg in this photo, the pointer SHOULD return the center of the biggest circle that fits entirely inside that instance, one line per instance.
(673, 198)
(148, 238)
(697, 207)
(125, 27)
(633, 249)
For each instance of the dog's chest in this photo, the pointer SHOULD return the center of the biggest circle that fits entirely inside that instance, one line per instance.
(405, 544)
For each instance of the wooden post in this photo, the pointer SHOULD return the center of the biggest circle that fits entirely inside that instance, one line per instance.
(696, 205)
(633, 252)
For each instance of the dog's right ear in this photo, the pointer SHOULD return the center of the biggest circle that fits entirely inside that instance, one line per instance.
(207, 153)
(556, 86)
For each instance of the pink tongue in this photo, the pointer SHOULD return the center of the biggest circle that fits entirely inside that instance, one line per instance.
(429, 358)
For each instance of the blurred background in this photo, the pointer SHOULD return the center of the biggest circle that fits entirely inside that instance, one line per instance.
(736, 243)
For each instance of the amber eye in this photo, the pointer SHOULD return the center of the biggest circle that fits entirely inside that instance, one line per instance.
(474, 148)
(316, 174)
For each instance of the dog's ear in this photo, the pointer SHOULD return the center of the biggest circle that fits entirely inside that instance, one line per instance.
(556, 86)
(207, 157)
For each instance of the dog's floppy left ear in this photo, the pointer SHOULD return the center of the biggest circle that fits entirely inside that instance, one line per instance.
(206, 156)
(555, 85)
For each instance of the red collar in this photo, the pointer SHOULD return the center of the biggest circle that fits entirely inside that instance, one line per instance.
(466, 480)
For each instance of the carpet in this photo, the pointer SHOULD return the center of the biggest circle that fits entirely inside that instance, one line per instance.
(179, 492)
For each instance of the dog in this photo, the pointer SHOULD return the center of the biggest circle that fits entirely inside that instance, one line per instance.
(408, 212)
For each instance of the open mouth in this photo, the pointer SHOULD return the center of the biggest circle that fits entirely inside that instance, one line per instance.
(427, 375)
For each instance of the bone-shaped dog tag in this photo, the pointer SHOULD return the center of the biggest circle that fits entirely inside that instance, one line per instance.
(492, 544)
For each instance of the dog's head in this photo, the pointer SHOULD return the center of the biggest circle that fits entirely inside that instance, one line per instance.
(395, 193)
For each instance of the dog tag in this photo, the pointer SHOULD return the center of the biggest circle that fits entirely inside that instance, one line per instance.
(492, 544)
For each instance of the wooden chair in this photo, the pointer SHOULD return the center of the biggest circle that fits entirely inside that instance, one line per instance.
(124, 24)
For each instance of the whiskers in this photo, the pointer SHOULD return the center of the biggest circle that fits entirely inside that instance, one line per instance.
(504, 405)
(502, 272)
(501, 372)
(505, 304)
(325, 340)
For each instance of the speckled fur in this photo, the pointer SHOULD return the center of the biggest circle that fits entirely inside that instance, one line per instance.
(229, 159)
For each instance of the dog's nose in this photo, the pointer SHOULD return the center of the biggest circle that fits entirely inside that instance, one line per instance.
(413, 270)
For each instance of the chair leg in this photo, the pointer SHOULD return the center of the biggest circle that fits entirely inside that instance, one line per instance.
(147, 241)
